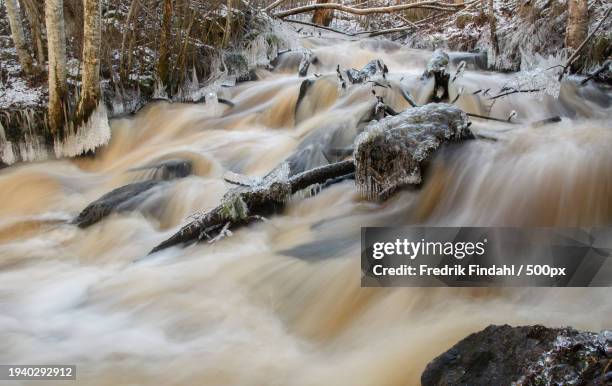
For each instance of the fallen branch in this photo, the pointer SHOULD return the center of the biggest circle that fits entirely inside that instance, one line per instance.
(576, 53)
(490, 118)
(606, 66)
(322, 27)
(436, 5)
(514, 92)
(243, 205)
(390, 30)
(274, 5)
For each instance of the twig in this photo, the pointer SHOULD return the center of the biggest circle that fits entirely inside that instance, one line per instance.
(514, 92)
(607, 63)
(576, 53)
(491, 118)
(320, 26)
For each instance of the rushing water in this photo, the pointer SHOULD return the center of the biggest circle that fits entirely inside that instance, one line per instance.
(279, 302)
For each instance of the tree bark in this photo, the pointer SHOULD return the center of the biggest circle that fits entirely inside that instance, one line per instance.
(493, 29)
(124, 69)
(33, 12)
(323, 16)
(90, 85)
(14, 16)
(577, 23)
(56, 43)
(164, 40)
(228, 25)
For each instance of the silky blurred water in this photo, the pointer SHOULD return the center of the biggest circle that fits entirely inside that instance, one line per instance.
(279, 302)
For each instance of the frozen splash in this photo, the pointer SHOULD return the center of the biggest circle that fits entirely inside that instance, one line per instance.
(92, 134)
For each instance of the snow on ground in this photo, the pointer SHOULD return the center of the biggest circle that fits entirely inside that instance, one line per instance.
(14, 90)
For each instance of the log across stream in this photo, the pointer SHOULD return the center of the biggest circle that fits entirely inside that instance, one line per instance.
(279, 301)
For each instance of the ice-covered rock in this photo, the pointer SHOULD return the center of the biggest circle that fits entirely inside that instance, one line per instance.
(522, 356)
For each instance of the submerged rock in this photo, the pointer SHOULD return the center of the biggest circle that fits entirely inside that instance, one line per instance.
(390, 153)
(122, 199)
(129, 197)
(167, 170)
(522, 356)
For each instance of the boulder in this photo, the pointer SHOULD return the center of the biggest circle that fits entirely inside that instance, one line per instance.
(522, 356)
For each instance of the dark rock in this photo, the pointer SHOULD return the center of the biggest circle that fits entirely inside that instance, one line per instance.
(524, 356)
(125, 198)
(307, 59)
(371, 70)
(167, 170)
(437, 68)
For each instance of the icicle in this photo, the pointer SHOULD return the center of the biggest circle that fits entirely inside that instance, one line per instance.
(89, 136)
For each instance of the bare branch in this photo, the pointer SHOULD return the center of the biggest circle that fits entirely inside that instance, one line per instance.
(436, 5)
(274, 5)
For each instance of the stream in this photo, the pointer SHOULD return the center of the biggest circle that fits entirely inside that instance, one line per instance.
(280, 302)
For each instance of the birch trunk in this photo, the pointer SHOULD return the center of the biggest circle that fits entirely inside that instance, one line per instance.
(33, 13)
(90, 85)
(493, 29)
(577, 23)
(164, 41)
(56, 43)
(14, 16)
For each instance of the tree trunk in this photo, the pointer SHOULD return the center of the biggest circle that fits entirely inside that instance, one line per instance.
(577, 23)
(124, 69)
(164, 40)
(227, 35)
(323, 17)
(33, 12)
(14, 16)
(90, 85)
(493, 29)
(56, 42)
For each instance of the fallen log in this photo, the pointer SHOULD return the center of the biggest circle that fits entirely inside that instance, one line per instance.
(245, 204)
(391, 153)
(388, 155)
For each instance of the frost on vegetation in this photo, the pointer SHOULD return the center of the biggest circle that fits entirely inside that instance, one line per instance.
(389, 153)
(540, 73)
(273, 189)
